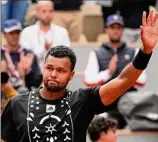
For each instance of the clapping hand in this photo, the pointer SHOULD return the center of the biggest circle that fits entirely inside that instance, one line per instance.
(25, 63)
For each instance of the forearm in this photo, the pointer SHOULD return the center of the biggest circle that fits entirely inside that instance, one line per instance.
(115, 88)
(129, 75)
(127, 78)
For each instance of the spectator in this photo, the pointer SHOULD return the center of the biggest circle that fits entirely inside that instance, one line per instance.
(68, 14)
(102, 130)
(43, 35)
(107, 62)
(22, 65)
(13, 9)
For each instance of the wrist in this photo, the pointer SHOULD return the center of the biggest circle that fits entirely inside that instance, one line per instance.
(141, 60)
(145, 51)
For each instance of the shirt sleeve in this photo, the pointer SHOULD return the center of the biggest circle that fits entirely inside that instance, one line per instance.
(93, 100)
(92, 76)
(8, 128)
(24, 39)
(65, 40)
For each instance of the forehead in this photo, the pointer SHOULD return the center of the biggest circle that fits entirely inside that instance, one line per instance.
(45, 6)
(58, 62)
(14, 32)
(115, 25)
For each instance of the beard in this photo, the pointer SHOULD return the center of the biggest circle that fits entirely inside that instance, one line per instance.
(55, 88)
(115, 40)
(46, 22)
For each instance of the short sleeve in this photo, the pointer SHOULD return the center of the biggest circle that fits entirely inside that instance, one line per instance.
(93, 100)
(8, 128)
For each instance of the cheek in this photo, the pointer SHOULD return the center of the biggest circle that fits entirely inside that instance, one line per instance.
(46, 75)
(65, 78)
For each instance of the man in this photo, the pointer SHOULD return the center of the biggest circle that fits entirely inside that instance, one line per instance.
(108, 61)
(20, 63)
(55, 114)
(102, 130)
(44, 34)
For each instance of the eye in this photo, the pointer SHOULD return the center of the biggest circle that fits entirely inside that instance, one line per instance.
(61, 70)
(44, 11)
(49, 68)
(50, 11)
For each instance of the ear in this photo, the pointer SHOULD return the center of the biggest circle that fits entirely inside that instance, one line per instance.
(71, 75)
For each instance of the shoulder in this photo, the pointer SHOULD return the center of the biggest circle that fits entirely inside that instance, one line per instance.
(20, 98)
(26, 51)
(85, 92)
(59, 28)
(29, 29)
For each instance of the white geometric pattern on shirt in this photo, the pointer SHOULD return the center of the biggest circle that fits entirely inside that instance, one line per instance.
(51, 130)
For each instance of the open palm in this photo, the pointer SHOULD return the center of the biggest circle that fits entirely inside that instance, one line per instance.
(149, 31)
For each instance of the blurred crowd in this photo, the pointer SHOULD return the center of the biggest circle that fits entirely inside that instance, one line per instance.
(30, 28)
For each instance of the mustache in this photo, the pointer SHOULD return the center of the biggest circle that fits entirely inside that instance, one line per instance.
(53, 80)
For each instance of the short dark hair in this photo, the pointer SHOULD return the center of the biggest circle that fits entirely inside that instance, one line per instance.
(99, 125)
(61, 51)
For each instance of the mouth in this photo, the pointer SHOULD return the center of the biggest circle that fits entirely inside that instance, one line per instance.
(53, 82)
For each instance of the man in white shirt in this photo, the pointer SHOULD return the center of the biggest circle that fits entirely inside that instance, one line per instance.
(44, 34)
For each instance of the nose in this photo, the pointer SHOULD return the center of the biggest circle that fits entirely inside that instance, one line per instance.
(54, 74)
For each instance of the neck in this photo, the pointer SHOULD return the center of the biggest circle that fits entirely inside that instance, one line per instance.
(44, 27)
(51, 95)
(114, 44)
(13, 48)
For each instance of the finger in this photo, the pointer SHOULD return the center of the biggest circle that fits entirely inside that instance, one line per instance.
(141, 30)
(155, 20)
(150, 17)
(21, 56)
(116, 58)
(144, 19)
